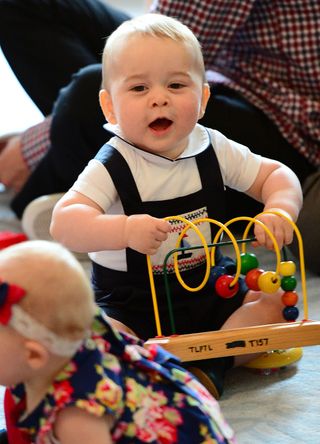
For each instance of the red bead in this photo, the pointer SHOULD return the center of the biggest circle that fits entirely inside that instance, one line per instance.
(289, 298)
(223, 288)
(252, 277)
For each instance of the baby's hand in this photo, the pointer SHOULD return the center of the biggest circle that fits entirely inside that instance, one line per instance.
(145, 233)
(279, 227)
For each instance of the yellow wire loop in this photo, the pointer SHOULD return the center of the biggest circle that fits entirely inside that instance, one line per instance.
(211, 261)
(150, 272)
(301, 257)
(206, 249)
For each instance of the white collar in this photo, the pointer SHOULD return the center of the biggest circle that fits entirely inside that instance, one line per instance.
(199, 140)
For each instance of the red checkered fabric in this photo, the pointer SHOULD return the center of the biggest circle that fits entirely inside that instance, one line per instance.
(269, 51)
(35, 142)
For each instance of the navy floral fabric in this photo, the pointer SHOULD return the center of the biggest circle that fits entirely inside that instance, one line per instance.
(151, 398)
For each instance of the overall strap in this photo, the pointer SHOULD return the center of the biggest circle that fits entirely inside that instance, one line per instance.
(212, 184)
(122, 178)
(209, 170)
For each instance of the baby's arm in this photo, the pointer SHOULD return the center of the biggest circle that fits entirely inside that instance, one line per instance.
(279, 189)
(76, 426)
(82, 226)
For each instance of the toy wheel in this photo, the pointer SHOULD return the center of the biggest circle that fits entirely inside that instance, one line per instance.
(271, 361)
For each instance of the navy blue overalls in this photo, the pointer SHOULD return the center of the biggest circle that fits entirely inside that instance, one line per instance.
(126, 296)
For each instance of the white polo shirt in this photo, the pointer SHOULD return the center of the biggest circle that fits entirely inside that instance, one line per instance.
(158, 178)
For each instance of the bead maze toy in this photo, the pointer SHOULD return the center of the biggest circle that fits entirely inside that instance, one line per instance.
(240, 341)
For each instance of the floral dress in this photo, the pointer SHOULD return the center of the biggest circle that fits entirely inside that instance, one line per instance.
(151, 398)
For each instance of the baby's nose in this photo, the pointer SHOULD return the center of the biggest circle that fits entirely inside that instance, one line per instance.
(159, 98)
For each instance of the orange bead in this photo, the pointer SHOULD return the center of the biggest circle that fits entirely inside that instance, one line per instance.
(289, 298)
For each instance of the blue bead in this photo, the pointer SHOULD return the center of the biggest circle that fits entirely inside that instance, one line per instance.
(290, 313)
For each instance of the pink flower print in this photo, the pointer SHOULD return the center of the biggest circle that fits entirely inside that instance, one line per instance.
(62, 392)
(153, 418)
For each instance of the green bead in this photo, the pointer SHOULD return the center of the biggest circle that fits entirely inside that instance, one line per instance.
(288, 283)
(248, 262)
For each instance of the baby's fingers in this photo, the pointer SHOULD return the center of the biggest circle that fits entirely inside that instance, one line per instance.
(164, 226)
(260, 235)
(152, 247)
(281, 231)
(288, 234)
(161, 236)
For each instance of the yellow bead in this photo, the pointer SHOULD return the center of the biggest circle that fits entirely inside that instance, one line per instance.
(287, 268)
(269, 282)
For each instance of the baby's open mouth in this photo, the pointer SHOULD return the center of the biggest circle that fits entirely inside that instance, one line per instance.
(160, 124)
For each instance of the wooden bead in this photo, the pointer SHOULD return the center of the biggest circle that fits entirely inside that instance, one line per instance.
(289, 298)
(223, 288)
(248, 262)
(287, 268)
(252, 277)
(269, 282)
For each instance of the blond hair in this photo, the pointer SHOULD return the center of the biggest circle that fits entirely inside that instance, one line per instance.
(58, 292)
(154, 25)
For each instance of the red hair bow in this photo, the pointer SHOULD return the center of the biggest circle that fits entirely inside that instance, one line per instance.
(9, 295)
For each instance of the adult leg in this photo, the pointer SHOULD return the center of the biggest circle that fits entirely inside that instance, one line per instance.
(76, 135)
(237, 119)
(46, 41)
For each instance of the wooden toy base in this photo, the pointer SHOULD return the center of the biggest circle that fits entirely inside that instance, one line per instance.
(196, 346)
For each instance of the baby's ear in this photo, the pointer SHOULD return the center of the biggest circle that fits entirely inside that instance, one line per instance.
(107, 106)
(37, 355)
(204, 99)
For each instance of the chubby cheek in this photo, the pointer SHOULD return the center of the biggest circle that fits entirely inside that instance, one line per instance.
(189, 114)
(130, 118)
(12, 354)
(9, 375)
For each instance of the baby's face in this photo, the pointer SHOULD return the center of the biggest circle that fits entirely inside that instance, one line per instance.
(12, 357)
(156, 93)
